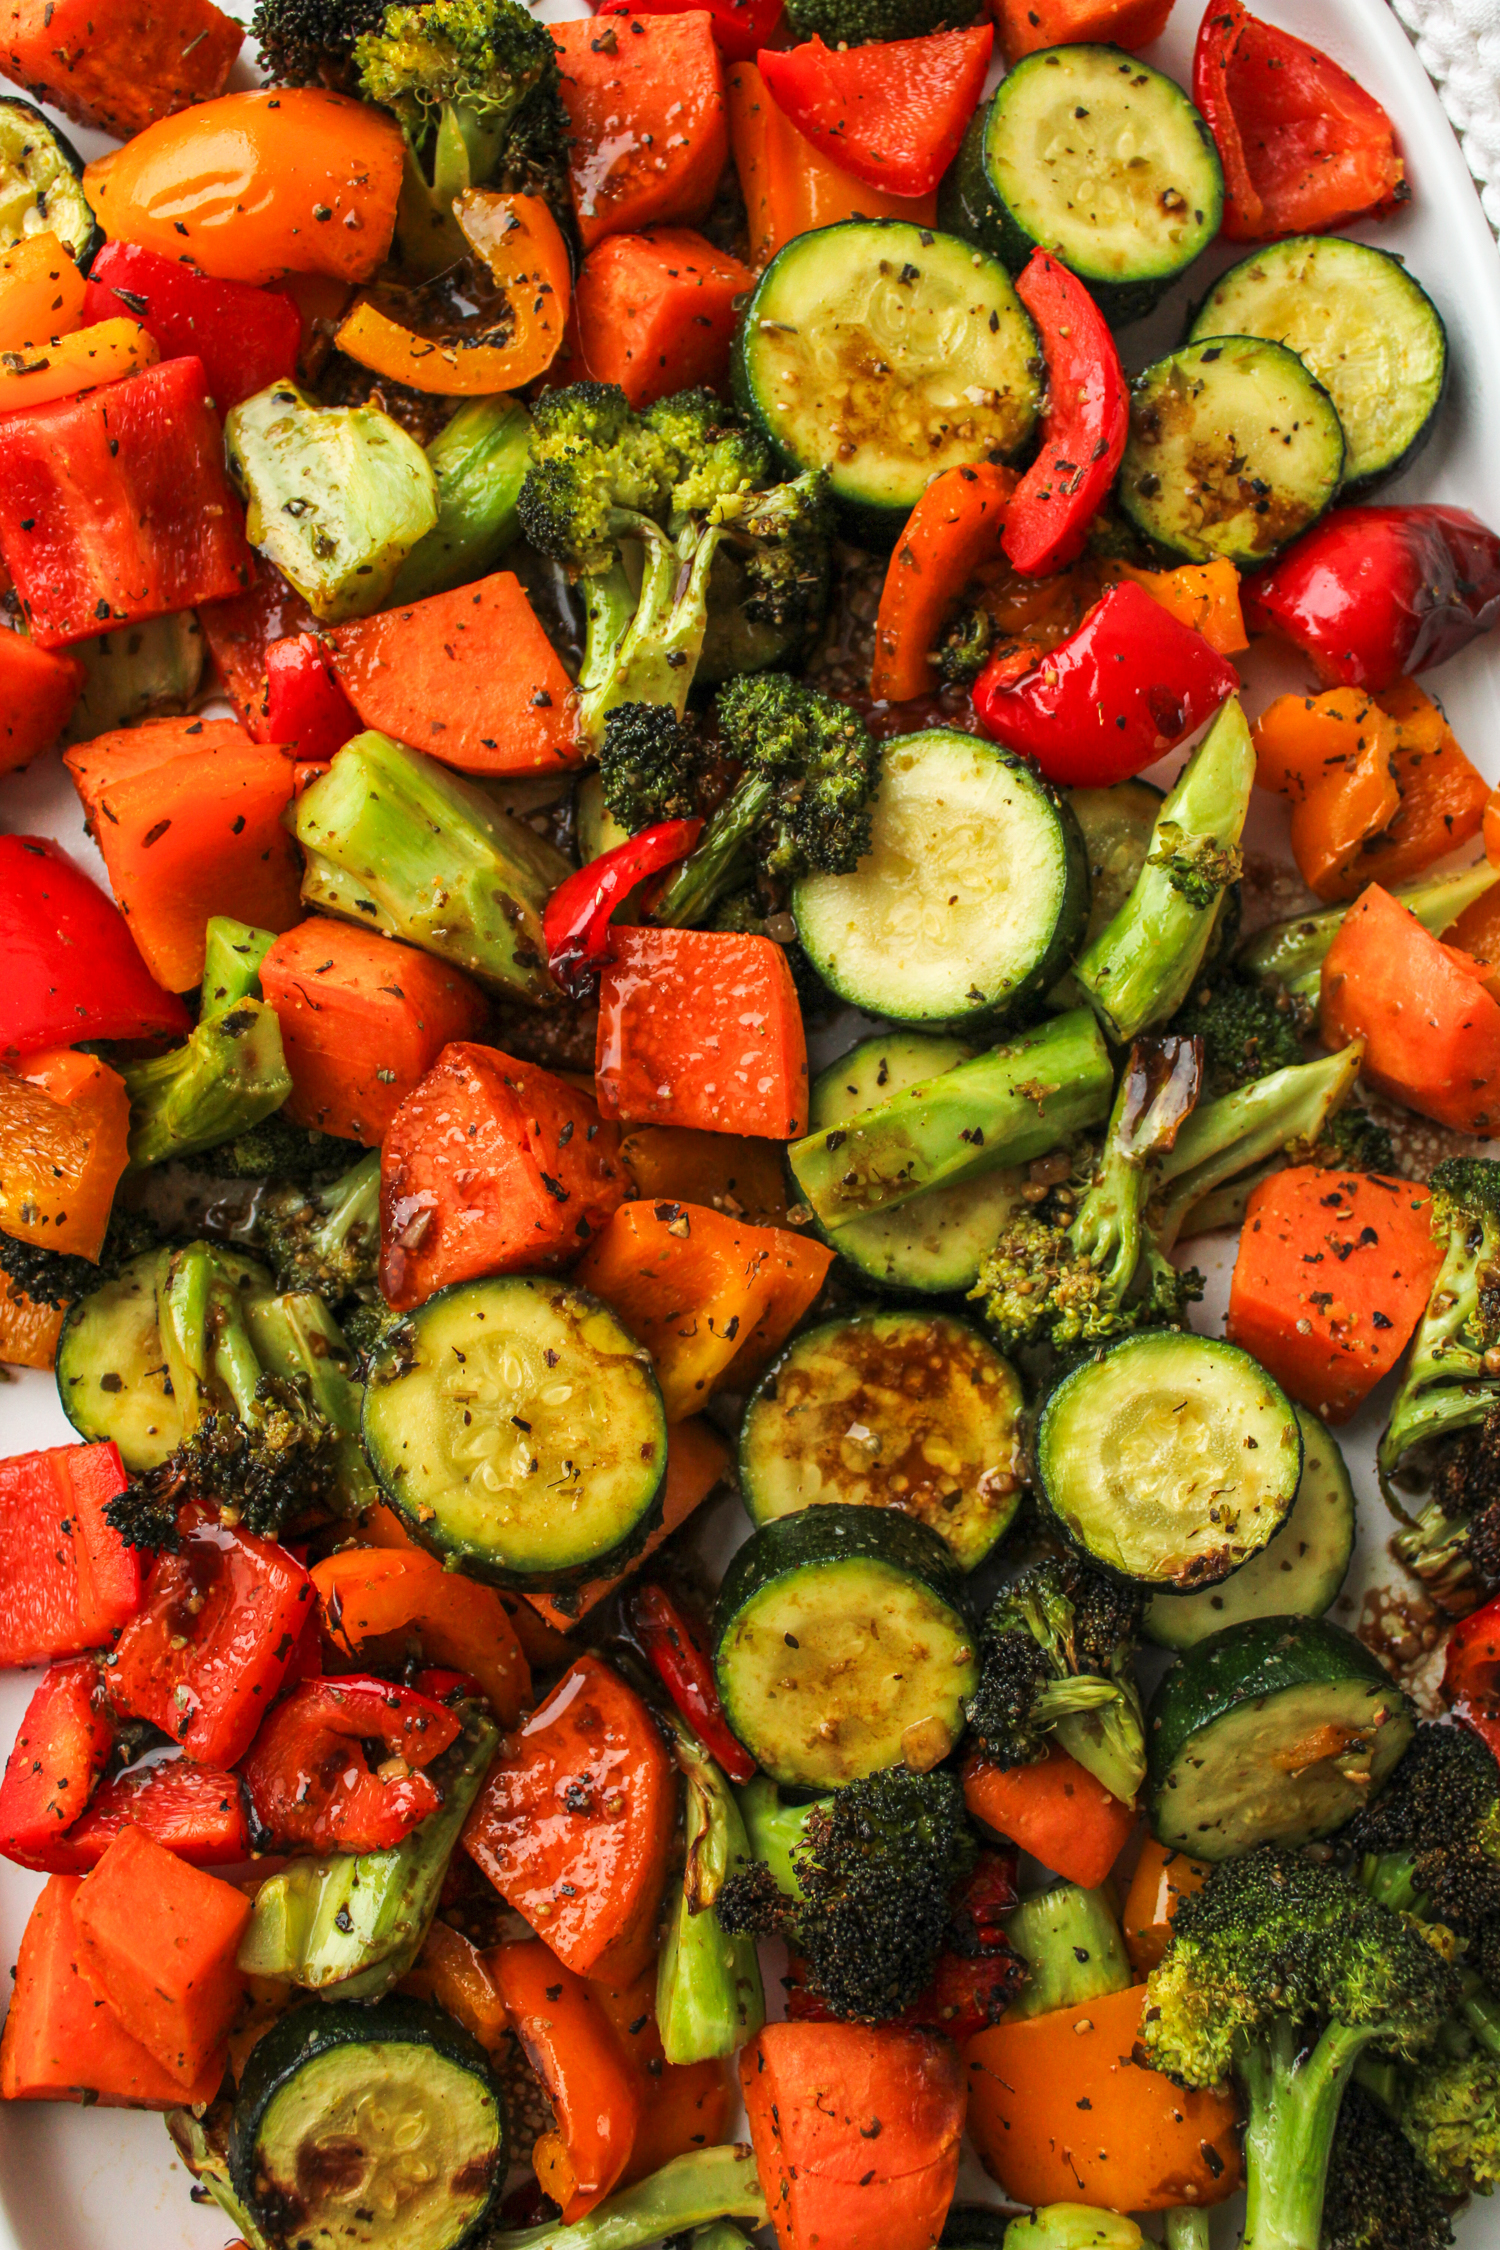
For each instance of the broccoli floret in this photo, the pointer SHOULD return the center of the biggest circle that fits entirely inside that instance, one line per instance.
(1453, 1545)
(874, 1869)
(1197, 867)
(651, 765)
(228, 1076)
(56, 1277)
(1450, 2112)
(1245, 1033)
(802, 802)
(854, 23)
(1284, 1971)
(276, 1149)
(964, 650)
(474, 84)
(1379, 2197)
(1059, 1647)
(1430, 1843)
(264, 1473)
(311, 42)
(673, 485)
(1450, 1385)
(1084, 1267)
(327, 1239)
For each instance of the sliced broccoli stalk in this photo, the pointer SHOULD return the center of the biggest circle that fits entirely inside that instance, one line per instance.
(692, 2191)
(297, 1340)
(1059, 1647)
(228, 1074)
(325, 1238)
(775, 1831)
(398, 843)
(1284, 1971)
(709, 1998)
(1448, 1387)
(1240, 1131)
(336, 496)
(1141, 966)
(1289, 955)
(349, 1927)
(153, 668)
(478, 459)
(1188, 2227)
(232, 955)
(206, 2157)
(1064, 2226)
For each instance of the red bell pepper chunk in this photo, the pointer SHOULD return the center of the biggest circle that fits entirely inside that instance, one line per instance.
(306, 710)
(307, 1777)
(59, 1755)
(891, 112)
(195, 1811)
(1303, 146)
(246, 338)
(683, 1665)
(982, 1900)
(67, 1580)
(1084, 429)
(221, 1622)
(1130, 685)
(575, 920)
(116, 505)
(72, 969)
(740, 27)
(1373, 594)
(1471, 1674)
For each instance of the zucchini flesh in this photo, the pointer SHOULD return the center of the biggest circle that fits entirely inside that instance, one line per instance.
(1270, 1732)
(842, 1645)
(884, 353)
(1234, 449)
(912, 1411)
(1363, 326)
(1170, 1458)
(517, 1428)
(1297, 1575)
(971, 899)
(41, 185)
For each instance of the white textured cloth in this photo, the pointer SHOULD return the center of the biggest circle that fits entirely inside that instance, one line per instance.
(1458, 42)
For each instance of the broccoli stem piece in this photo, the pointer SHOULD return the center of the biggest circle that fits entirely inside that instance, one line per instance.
(1290, 955)
(1140, 967)
(228, 1074)
(296, 1338)
(775, 1831)
(652, 656)
(691, 2191)
(479, 459)
(709, 1998)
(1187, 2227)
(1448, 1386)
(1241, 1130)
(397, 843)
(1294, 2096)
(718, 864)
(232, 955)
(208, 2163)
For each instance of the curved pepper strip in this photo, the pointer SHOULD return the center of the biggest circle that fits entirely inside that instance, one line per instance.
(575, 921)
(1085, 427)
(1304, 148)
(953, 529)
(682, 1664)
(72, 969)
(1372, 594)
(570, 2043)
(307, 1778)
(1130, 685)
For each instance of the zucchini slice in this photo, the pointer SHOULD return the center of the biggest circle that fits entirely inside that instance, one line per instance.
(914, 1411)
(1170, 1458)
(1272, 1732)
(1234, 448)
(1360, 323)
(377, 2128)
(112, 1368)
(1297, 1575)
(971, 899)
(843, 1644)
(936, 1243)
(517, 1428)
(41, 185)
(883, 353)
(1095, 156)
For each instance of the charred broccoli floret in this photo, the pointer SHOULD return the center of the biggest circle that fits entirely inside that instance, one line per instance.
(651, 765)
(1245, 1033)
(854, 23)
(1198, 868)
(1059, 1647)
(1379, 2197)
(1430, 1842)
(874, 1869)
(802, 802)
(328, 1238)
(56, 1277)
(964, 650)
(276, 1149)
(311, 42)
(1284, 1971)
(266, 1471)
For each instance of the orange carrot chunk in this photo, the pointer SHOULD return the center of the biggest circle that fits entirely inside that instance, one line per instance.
(1162, 1878)
(362, 1020)
(1333, 1271)
(38, 689)
(62, 2043)
(645, 103)
(1055, 1810)
(187, 813)
(119, 68)
(697, 1458)
(856, 2129)
(490, 1166)
(468, 676)
(703, 1028)
(655, 312)
(157, 1940)
(1431, 1030)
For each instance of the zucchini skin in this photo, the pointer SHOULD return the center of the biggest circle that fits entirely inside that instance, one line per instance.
(835, 1533)
(83, 257)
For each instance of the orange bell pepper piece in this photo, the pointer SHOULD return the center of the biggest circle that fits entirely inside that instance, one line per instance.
(789, 186)
(954, 527)
(597, 2099)
(1162, 1878)
(79, 361)
(28, 1332)
(745, 1179)
(406, 1600)
(64, 1125)
(41, 293)
(1205, 596)
(459, 1978)
(687, 2105)
(710, 1300)
(1334, 756)
(697, 1458)
(1443, 794)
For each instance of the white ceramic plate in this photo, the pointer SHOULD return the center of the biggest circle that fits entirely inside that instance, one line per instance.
(107, 2179)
